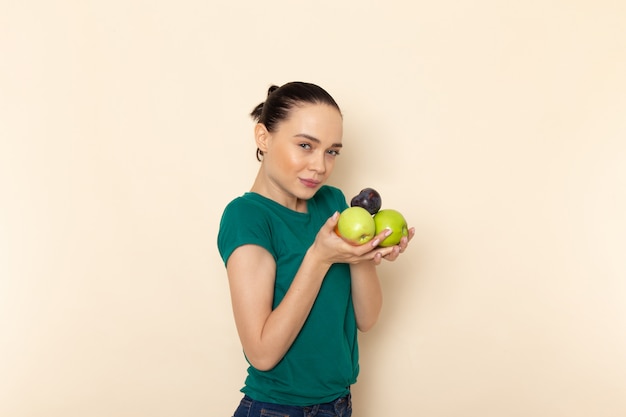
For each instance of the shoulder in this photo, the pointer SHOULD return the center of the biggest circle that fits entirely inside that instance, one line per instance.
(245, 215)
(244, 221)
(242, 202)
(246, 206)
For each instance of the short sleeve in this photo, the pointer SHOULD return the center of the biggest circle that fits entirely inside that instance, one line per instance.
(243, 223)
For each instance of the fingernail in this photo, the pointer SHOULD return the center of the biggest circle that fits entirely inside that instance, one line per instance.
(388, 231)
(375, 242)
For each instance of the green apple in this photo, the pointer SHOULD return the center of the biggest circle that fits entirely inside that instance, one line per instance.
(394, 220)
(356, 225)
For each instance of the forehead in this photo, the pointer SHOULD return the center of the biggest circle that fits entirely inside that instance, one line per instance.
(318, 120)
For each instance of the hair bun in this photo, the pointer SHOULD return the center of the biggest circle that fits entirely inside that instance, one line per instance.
(272, 89)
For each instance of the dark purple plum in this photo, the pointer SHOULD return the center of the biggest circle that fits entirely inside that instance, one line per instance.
(369, 199)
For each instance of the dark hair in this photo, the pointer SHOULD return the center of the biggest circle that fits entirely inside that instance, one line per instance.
(280, 101)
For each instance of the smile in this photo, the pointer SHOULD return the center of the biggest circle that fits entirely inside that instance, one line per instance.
(309, 183)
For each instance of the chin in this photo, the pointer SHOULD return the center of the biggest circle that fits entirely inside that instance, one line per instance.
(307, 193)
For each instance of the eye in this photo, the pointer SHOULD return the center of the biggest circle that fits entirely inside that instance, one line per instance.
(304, 145)
(333, 152)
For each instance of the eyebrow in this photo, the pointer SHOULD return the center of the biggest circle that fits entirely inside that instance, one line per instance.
(316, 140)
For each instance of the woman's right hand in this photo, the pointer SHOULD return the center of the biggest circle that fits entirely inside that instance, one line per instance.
(331, 248)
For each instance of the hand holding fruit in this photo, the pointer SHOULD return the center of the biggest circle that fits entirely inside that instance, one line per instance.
(329, 248)
(364, 219)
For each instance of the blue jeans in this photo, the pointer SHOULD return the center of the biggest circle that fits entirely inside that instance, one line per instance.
(341, 407)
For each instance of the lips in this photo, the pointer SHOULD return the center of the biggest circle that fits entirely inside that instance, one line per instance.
(309, 183)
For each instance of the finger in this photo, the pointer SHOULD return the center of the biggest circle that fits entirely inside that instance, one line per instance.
(404, 243)
(378, 238)
(332, 220)
(376, 254)
(383, 234)
(378, 257)
(393, 255)
(385, 252)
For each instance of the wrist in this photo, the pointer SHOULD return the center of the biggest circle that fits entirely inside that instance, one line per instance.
(313, 255)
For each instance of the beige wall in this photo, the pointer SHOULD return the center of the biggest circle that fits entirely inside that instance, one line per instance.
(497, 127)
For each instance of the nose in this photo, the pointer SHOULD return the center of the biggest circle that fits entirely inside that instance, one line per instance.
(318, 163)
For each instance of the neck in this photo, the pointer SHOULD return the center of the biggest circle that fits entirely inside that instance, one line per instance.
(263, 186)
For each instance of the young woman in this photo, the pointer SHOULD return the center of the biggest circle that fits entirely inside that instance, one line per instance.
(299, 292)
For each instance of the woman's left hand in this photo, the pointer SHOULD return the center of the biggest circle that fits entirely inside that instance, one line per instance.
(397, 249)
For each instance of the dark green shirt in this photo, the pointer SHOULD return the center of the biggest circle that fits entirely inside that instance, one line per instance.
(323, 360)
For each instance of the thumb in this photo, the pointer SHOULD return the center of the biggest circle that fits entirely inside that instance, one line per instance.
(331, 223)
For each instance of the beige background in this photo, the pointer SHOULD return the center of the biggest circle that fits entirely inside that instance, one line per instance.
(497, 127)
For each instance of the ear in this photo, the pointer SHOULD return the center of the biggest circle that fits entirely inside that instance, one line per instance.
(261, 137)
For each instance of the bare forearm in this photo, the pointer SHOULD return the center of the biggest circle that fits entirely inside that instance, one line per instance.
(367, 295)
(285, 322)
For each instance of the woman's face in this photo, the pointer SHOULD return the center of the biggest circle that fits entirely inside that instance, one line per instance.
(299, 156)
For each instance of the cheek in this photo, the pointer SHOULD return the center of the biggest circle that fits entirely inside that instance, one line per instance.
(331, 160)
(287, 160)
